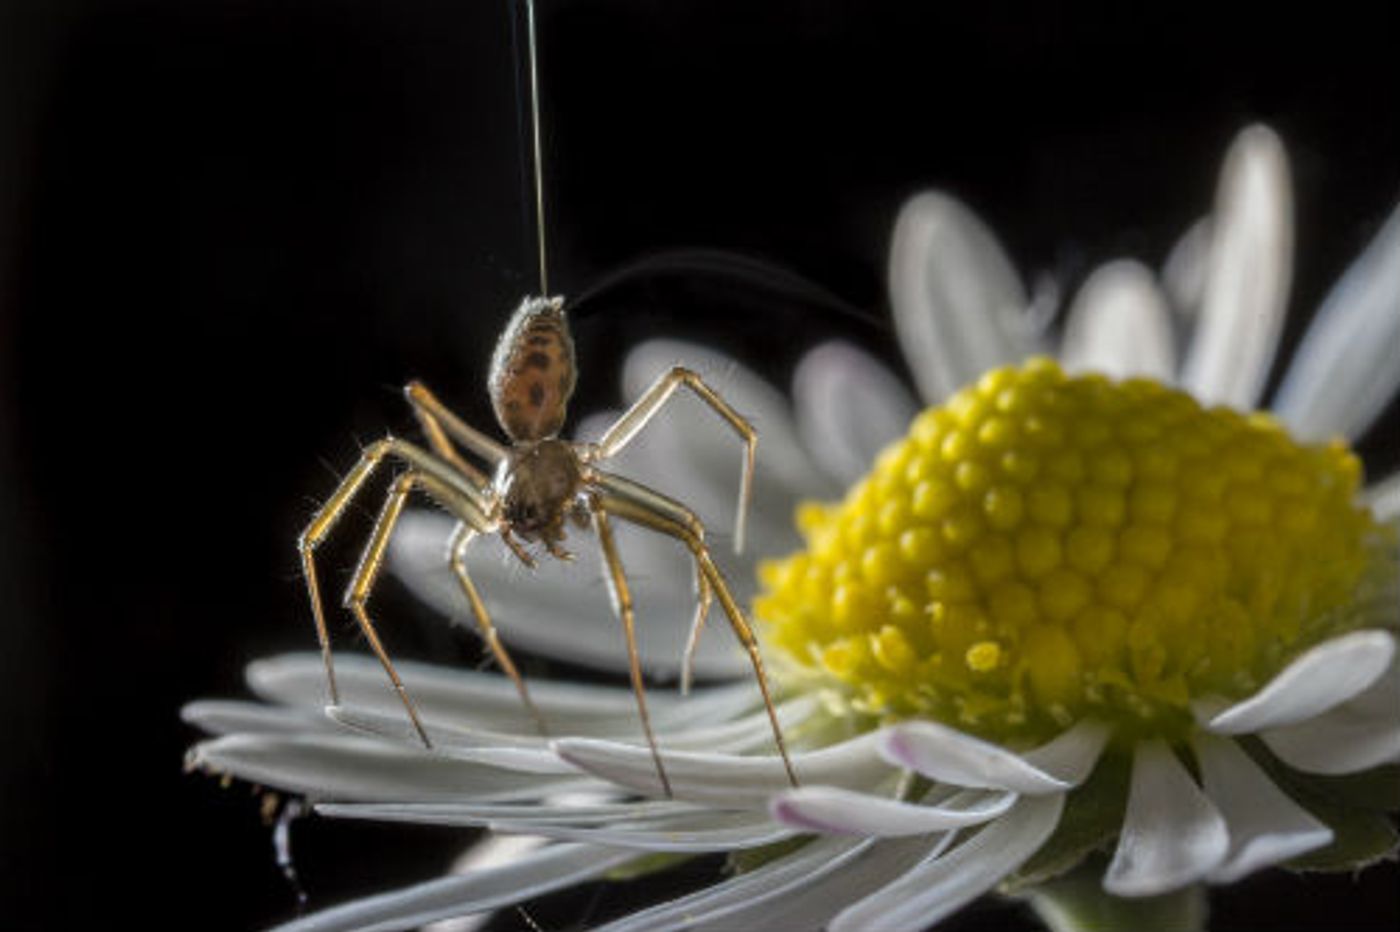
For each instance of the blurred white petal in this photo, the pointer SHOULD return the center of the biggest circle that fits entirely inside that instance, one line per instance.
(1383, 498)
(831, 810)
(1265, 826)
(849, 407)
(1348, 366)
(224, 717)
(703, 452)
(1323, 677)
(955, 296)
(562, 610)
(1172, 835)
(1120, 326)
(534, 874)
(1248, 276)
(1184, 271)
(951, 756)
(940, 886)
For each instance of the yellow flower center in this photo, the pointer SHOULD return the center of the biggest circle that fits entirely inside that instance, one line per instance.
(1044, 547)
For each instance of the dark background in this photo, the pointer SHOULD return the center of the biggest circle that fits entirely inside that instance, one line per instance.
(229, 231)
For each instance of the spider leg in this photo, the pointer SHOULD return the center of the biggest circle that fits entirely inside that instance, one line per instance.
(439, 423)
(622, 604)
(457, 548)
(326, 517)
(634, 502)
(357, 595)
(683, 516)
(636, 417)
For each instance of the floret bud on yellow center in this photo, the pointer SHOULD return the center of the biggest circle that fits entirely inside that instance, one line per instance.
(1045, 547)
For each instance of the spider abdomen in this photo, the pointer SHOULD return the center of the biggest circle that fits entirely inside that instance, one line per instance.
(533, 371)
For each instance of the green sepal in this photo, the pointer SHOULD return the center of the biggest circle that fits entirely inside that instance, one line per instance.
(1377, 788)
(1353, 806)
(648, 864)
(749, 859)
(1092, 818)
(1076, 902)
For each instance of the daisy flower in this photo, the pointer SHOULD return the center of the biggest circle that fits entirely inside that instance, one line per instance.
(1090, 630)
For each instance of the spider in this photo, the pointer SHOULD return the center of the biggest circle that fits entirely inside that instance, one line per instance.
(540, 484)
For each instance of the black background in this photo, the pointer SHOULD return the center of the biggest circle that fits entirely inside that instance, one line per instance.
(231, 229)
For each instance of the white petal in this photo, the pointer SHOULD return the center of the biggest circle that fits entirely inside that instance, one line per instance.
(648, 826)
(489, 851)
(488, 701)
(562, 610)
(938, 887)
(224, 717)
(334, 767)
(1248, 276)
(1383, 498)
(780, 877)
(1322, 678)
(844, 812)
(508, 752)
(751, 732)
(724, 779)
(1265, 826)
(1356, 735)
(950, 756)
(849, 407)
(1120, 326)
(1071, 755)
(1172, 835)
(955, 295)
(1184, 271)
(707, 832)
(551, 868)
(1348, 365)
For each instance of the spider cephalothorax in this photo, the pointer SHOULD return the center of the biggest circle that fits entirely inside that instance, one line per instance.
(540, 485)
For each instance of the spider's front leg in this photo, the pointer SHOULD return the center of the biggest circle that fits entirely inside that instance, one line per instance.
(462, 538)
(425, 470)
(644, 409)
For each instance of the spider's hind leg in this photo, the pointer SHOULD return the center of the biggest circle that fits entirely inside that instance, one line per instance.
(622, 603)
(634, 502)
